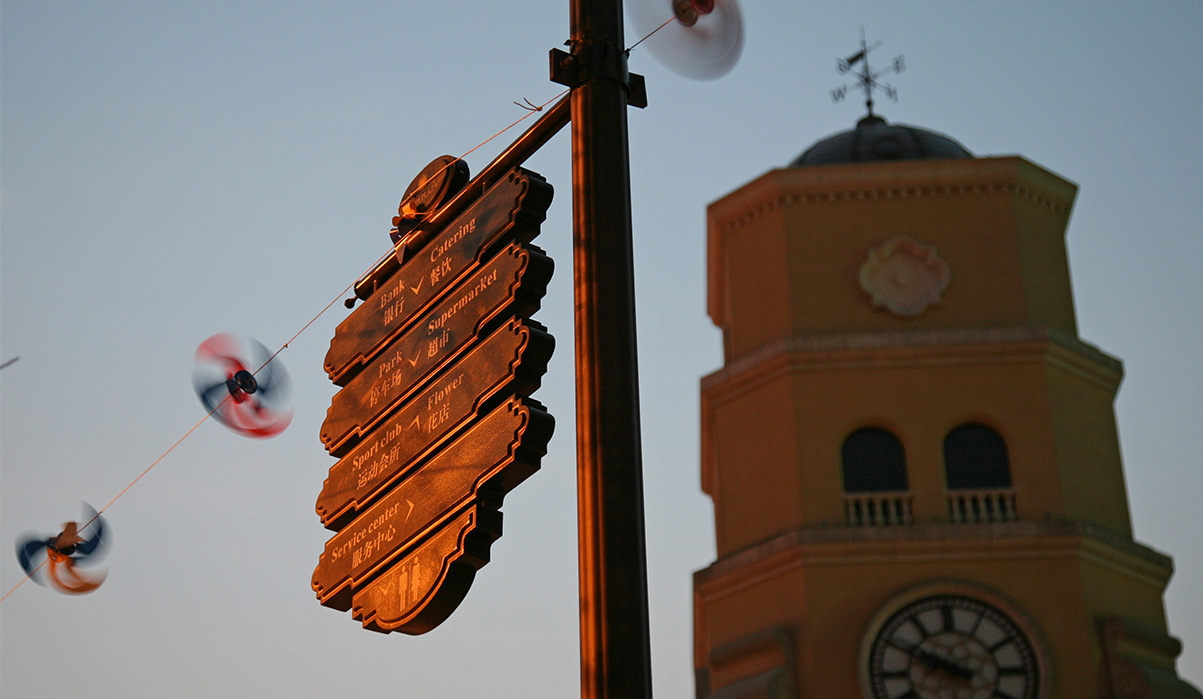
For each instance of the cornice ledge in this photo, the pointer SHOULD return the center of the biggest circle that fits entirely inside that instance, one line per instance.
(818, 545)
(773, 359)
(756, 208)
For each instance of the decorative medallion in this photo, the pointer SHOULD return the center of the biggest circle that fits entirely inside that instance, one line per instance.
(904, 276)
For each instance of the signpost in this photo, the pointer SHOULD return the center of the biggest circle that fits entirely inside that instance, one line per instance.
(434, 423)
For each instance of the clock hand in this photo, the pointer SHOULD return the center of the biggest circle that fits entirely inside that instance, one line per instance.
(938, 662)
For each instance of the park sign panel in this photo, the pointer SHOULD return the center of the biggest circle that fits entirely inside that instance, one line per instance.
(508, 285)
(434, 422)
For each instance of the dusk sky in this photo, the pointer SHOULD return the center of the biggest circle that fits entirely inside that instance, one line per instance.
(169, 171)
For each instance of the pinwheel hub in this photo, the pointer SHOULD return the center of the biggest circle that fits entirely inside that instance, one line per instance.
(242, 381)
(688, 11)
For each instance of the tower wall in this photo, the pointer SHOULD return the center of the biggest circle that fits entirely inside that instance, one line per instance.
(911, 299)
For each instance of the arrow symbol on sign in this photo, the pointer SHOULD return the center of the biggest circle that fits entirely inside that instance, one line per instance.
(411, 509)
(417, 421)
(414, 361)
(417, 288)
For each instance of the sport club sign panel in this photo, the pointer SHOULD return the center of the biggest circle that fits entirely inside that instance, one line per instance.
(434, 422)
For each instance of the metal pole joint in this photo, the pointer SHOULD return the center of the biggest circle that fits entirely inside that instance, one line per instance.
(597, 61)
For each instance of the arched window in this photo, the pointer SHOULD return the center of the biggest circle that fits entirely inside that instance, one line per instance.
(975, 458)
(873, 461)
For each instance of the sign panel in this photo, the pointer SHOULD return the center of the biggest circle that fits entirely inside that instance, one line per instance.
(511, 210)
(487, 461)
(511, 284)
(422, 590)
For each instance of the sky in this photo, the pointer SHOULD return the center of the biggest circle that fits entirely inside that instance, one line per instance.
(171, 170)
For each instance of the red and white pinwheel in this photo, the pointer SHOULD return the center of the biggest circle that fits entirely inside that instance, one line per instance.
(239, 382)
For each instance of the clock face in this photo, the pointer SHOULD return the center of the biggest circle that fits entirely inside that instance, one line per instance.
(952, 647)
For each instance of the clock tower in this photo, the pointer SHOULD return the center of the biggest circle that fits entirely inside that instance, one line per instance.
(912, 455)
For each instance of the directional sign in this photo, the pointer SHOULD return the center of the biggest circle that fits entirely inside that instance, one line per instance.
(511, 210)
(434, 423)
(511, 284)
(484, 463)
(509, 362)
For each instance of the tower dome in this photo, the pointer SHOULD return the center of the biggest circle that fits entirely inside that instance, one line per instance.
(875, 140)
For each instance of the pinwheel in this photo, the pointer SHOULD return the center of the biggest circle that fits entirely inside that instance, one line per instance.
(55, 558)
(240, 384)
(703, 43)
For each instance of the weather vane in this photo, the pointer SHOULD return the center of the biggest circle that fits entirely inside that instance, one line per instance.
(866, 79)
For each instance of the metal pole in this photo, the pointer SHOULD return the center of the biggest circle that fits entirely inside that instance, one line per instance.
(615, 645)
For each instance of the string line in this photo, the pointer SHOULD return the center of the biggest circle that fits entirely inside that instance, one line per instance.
(649, 34)
(529, 111)
(521, 119)
(123, 491)
(312, 320)
(27, 576)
